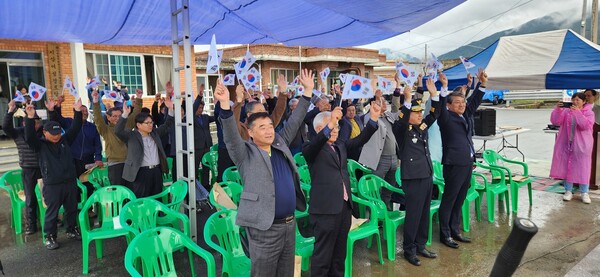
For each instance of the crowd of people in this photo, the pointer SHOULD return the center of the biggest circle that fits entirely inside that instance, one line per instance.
(260, 133)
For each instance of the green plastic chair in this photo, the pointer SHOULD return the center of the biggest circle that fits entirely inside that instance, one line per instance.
(299, 159)
(369, 188)
(168, 177)
(366, 230)
(438, 177)
(12, 183)
(223, 235)
(214, 148)
(42, 207)
(494, 160)
(144, 214)
(231, 174)
(233, 190)
(154, 249)
(497, 186)
(304, 248)
(172, 195)
(353, 166)
(99, 177)
(109, 201)
(209, 160)
(473, 194)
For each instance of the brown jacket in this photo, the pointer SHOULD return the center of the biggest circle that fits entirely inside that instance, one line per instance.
(275, 116)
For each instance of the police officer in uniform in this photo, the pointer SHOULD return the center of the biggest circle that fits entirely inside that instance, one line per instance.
(416, 171)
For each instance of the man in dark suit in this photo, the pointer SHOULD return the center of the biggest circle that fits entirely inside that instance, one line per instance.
(416, 169)
(202, 139)
(331, 203)
(146, 159)
(271, 181)
(457, 156)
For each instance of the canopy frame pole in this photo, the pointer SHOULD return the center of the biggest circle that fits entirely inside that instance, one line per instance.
(187, 96)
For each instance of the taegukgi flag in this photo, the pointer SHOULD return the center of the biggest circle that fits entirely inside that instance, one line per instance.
(70, 87)
(468, 64)
(94, 82)
(250, 78)
(384, 85)
(356, 87)
(324, 75)
(36, 92)
(229, 80)
(113, 95)
(212, 64)
(407, 73)
(19, 97)
(244, 65)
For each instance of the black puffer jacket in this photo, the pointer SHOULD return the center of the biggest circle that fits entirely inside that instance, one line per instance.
(28, 158)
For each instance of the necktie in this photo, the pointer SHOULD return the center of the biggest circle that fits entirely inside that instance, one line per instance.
(343, 184)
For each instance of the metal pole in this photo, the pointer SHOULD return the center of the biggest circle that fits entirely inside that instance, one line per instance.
(583, 18)
(300, 58)
(594, 34)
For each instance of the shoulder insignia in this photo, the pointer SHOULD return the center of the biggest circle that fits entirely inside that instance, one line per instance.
(432, 109)
(422, 126)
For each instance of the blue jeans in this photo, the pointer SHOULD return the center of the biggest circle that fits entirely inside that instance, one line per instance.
(582, 188)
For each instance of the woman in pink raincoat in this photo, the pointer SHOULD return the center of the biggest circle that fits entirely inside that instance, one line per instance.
(572, 160)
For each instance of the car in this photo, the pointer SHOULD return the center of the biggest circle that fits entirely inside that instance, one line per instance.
(494, 96)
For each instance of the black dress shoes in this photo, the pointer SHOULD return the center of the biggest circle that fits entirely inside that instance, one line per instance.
(426, 253)
(412, 259)
(449, 242)
(459, 237)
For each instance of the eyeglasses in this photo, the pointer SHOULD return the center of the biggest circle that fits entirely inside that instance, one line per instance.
(148, 122)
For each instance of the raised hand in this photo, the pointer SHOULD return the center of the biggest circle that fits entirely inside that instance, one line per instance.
(30, 110)
(375, 111)
(12, 105)
(482, 76)
(281, 83)
(307, 78)
(431, 87)
(169, 88)
(95, 96)
(239, 93)
(139, 93)
(59, 100)
(201, 91)
(104, 81)
(50, 103)
(126, 110)
(420, 80)
(221, 94)
(469, 80)
(157, 97)
(169, 102)
(443, 80)
(407, 94)
(336, 115)
(77, 105)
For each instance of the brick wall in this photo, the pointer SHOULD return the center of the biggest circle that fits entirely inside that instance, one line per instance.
(66, 63)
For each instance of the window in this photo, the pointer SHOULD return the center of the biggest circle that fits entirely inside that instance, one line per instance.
(289, 75)
(123, 68)
(367, 74)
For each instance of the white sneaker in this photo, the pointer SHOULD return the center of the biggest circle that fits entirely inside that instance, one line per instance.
(585, 198)
(568, 196)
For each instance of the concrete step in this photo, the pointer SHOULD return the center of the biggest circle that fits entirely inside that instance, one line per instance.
(7, 160)
(6, 167)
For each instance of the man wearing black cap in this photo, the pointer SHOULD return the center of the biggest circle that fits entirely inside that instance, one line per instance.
(58, 171)
(28, 161)
(416, 169)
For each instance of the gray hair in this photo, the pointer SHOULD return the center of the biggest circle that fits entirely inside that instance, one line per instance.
(320, 118)
(293, 101)
(250, 106)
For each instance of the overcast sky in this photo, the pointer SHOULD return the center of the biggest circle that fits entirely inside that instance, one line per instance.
(474, 12)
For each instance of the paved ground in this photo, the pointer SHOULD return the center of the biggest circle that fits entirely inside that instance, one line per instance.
(568, 231)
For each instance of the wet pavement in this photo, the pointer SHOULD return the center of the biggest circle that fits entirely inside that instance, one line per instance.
(568, 231)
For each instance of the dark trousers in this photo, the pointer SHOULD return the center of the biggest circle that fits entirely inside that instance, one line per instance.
(223, 163)
(115, 176)
(272, 250)
(80, 169)
(205, 171)
(416, 224)
(148, 182)
(64, 194)
(29, 176)
(457, 181)
(331, 236)
(386, 169)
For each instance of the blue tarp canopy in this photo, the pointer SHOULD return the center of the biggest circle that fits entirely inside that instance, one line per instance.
(320, 23)
(549, 60)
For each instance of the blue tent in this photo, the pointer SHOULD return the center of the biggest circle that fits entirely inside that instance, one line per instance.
(320, 23)
(550, 60)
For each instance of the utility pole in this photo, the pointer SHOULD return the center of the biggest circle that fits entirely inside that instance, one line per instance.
(594, 34)
(583, 17)
(425, 59)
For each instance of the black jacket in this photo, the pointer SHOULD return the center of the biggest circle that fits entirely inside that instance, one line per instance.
(28, 158)
(412, 141)
(329, 169)
(55, 159)
(456, 132)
